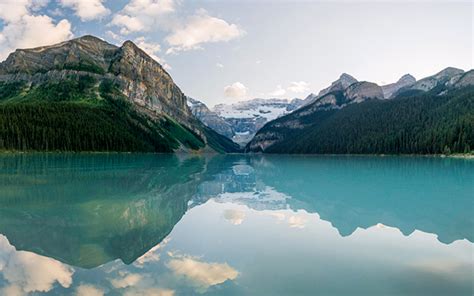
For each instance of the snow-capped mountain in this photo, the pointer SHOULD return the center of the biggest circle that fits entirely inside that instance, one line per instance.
(240, 121)
(247, 117)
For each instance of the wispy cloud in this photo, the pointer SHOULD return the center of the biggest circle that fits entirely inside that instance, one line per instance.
(87, 10)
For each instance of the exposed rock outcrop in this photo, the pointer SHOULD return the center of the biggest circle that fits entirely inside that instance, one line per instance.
(390, 89)
(361, 91)
(210, 118)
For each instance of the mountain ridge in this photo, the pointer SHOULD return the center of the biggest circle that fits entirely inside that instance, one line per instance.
(89, 66)
(317, 122)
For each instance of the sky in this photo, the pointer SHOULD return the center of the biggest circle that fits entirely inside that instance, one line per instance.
(224, 51)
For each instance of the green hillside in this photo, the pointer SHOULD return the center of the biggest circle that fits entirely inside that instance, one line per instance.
(83, 114)
(412, 123)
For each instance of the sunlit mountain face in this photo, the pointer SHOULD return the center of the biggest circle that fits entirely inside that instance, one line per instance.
(235, 225)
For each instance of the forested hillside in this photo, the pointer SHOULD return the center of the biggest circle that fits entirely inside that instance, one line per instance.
(413, 123)
(88, 95)
(70, 116)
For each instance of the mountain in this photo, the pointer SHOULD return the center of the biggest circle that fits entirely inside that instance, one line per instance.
(360, 120)
(405, 81)
(247, 117)
(445, 78)
(88, 95)
(240, 121)
(344, 81)
(210, 118)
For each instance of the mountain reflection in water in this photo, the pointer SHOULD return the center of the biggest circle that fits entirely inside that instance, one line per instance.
(86, 211)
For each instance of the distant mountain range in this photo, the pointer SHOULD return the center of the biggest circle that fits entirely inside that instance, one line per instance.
(88, 95)
(240, 121)
(432, 115)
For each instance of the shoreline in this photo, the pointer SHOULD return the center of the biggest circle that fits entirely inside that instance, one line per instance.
(469, 156)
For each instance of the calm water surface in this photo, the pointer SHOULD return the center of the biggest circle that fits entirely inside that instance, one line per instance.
(235, 225)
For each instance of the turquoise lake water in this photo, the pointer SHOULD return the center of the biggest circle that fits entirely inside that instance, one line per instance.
(129, 224)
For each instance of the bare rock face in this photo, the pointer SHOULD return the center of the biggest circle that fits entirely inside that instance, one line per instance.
(80, 53)
(445, 77)
(210, 118)
(145, 82)
(465, 79)
(344, 81)
(390, 89)
(361, 91)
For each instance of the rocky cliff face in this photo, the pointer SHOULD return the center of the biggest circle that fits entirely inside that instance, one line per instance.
(87, 52)
(343, 82)
(210, 118)
(361, 91)
(446, 77)
(465, 79)
(405, 81)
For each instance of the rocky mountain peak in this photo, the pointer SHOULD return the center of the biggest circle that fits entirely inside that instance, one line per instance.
(347, 79)
(391, 89)
(344, 81)
(407, 78)
(448, 72)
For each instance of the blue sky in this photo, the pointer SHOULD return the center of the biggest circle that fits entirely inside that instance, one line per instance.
(225, 51)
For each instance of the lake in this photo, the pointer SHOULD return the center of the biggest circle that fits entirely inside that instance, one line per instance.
(132, 224)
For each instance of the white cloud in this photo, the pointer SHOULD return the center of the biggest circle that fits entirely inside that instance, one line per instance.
(297, 221)
(235, 217)
(202, 274)
(128, 24)
(149, 292)
(153, 255)
(114, 36)
(27, 272)
(295, 87)
(87, 10)
(23, 29)
(184, 33)
(142, 15)
(150, 7)
(88, 290)
(278, 92)
(32, 31)
(201, 28)
(126, 281)
(235, 91)
(299, 87)
(12, 11)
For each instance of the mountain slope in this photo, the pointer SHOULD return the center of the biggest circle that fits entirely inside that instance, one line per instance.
(437, 121)
(405, 81)
(88, 95)
(210, 118)
(343, 82)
